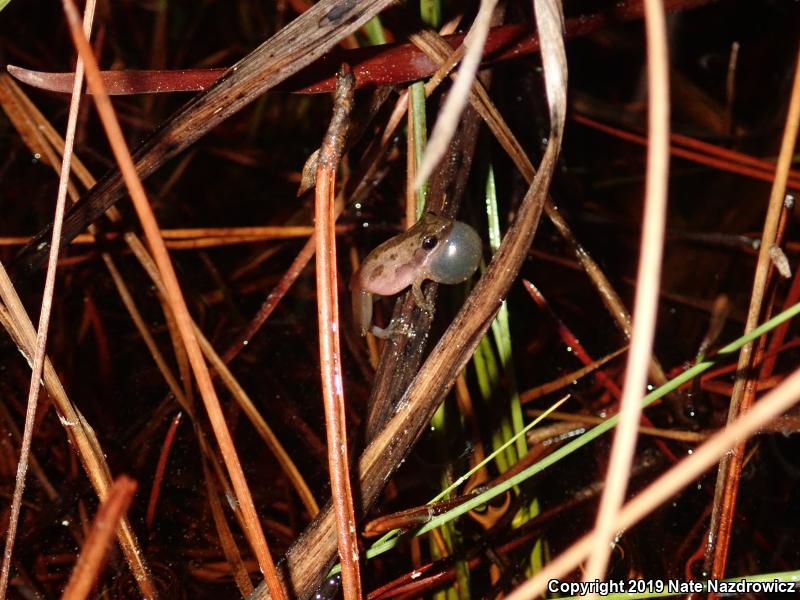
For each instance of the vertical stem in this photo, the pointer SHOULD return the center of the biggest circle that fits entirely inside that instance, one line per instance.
(329, 328)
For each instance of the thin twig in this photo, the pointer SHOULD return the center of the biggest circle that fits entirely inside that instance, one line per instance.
(44, 314)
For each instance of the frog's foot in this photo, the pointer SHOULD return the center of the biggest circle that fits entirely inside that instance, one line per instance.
(394, 329)
(419, 297)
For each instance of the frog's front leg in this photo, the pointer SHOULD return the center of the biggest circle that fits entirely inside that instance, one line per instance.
(419, 297)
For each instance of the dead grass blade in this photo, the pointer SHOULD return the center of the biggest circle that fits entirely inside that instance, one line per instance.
(689, 437)
(567, 379)
(226, 539)
(330, 355)
(44, 315)
(254, 531)
(38, 134)
(647, 288)
(36, 129)
(15, 320)
(450, 113)
(93, 554)
(744, 389)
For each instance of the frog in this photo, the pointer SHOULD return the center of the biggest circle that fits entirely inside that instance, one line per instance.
(435, 248)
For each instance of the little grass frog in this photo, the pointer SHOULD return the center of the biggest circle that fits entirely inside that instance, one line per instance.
(435, 248)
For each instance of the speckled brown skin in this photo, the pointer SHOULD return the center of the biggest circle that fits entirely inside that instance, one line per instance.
(397, 263)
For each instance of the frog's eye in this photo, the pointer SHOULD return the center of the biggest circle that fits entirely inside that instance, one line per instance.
(429, 242)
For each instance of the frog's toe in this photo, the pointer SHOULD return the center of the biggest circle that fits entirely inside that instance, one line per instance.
(393, 330)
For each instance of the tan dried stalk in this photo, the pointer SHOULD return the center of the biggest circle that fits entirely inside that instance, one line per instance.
(646, 300)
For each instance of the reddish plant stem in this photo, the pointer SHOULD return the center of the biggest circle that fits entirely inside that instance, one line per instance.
(733, 162)
(571, 340)
(330, 355)
(273, 299)
(388, 64)
(160, 468)
(729, 472)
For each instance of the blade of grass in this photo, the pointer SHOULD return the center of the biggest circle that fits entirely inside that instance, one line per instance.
(418, 136)
(605, 426)
(373, 30)
(501, 330)
(391, 538)
(765, 410)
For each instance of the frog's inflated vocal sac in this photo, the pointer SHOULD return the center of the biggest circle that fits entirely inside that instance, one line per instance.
(435, 248)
